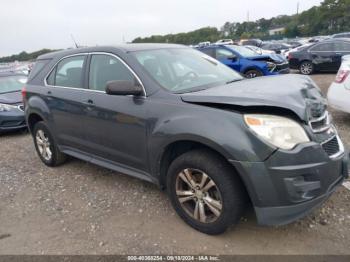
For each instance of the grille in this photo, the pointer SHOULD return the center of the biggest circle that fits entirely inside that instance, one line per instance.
(331, 147)
(282, 66)
(320, 124)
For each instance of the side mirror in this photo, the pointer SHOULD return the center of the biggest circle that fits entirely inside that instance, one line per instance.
(123, 88)
(232, 57)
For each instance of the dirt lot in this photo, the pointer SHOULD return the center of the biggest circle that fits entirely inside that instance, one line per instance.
(80, 208)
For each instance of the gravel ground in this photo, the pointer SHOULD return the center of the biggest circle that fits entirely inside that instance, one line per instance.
(80, 208)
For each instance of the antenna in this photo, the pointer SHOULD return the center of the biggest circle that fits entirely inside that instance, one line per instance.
(76, 45)
(298, 7)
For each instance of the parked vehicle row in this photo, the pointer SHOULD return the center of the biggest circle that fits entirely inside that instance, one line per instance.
(308, 55)
(179, 118)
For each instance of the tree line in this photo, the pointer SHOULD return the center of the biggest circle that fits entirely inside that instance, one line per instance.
(332, 16)
(24, 56)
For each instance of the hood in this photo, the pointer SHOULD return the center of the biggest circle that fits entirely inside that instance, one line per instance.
(268, 57)
(11, 98)
(295, 93)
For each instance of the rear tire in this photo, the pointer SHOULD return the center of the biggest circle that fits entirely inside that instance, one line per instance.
(253, 73)
(46, 146)
(210, 207)
(306, 68)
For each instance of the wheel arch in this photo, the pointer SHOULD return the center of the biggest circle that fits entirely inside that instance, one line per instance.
(32, 119)
(179, 147)
(246, 69)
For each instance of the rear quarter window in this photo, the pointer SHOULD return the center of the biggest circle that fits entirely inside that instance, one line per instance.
(38, 66)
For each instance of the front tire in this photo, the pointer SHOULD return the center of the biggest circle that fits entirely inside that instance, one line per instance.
(205, 191)
(253, 73)
(306, 68)
(46, 146)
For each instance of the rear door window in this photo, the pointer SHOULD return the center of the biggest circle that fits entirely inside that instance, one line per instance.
(209, 51)
(326, 47)
(342, 47)
(68, 72)
(222, 53)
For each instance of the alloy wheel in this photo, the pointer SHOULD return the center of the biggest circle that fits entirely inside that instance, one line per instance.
(198, 195)
(44, 145)
(306, 68)
(251, 75)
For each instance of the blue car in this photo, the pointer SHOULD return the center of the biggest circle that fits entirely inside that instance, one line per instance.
(246, 61)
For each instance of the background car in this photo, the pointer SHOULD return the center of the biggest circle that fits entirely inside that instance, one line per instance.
(225, 42)
(278, 48)
(254, 42)
(11, 105)
(321, 56)
(246, 61)
(203, 43)
(341, 35)
(339, 92)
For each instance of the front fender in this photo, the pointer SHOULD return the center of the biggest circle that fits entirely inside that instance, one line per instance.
(221, 130)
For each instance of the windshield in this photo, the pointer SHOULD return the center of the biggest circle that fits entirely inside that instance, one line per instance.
(185, 70)
(11, 83)
(242, 50)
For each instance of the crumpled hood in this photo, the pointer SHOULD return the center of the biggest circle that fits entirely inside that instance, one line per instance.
(268, 57)
(11, 98)
(297, 93)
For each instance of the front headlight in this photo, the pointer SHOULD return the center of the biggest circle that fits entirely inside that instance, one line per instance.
(271, 66)
(5, 107)
(280, 131)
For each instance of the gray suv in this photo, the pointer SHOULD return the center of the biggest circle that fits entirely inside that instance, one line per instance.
(178, 118)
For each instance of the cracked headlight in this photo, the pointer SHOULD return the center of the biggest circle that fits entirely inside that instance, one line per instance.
(271, 66)
(5, 107)
(279, 131)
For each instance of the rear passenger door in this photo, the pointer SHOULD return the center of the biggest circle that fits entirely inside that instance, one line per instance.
(116, 126)
(323, 56)
(66, 99)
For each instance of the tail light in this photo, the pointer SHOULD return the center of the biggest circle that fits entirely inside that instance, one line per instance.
(341, 76)
(290, 56)
(24, 94)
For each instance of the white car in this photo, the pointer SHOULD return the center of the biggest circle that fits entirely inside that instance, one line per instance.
(225, 42)
(339, 92)
(201, 44)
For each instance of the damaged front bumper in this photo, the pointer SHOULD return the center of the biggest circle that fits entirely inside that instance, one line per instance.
(289, 184)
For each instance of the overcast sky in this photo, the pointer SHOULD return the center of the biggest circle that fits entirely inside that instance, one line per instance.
(35, 24)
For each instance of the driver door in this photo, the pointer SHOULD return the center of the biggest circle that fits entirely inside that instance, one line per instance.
(116, 125)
